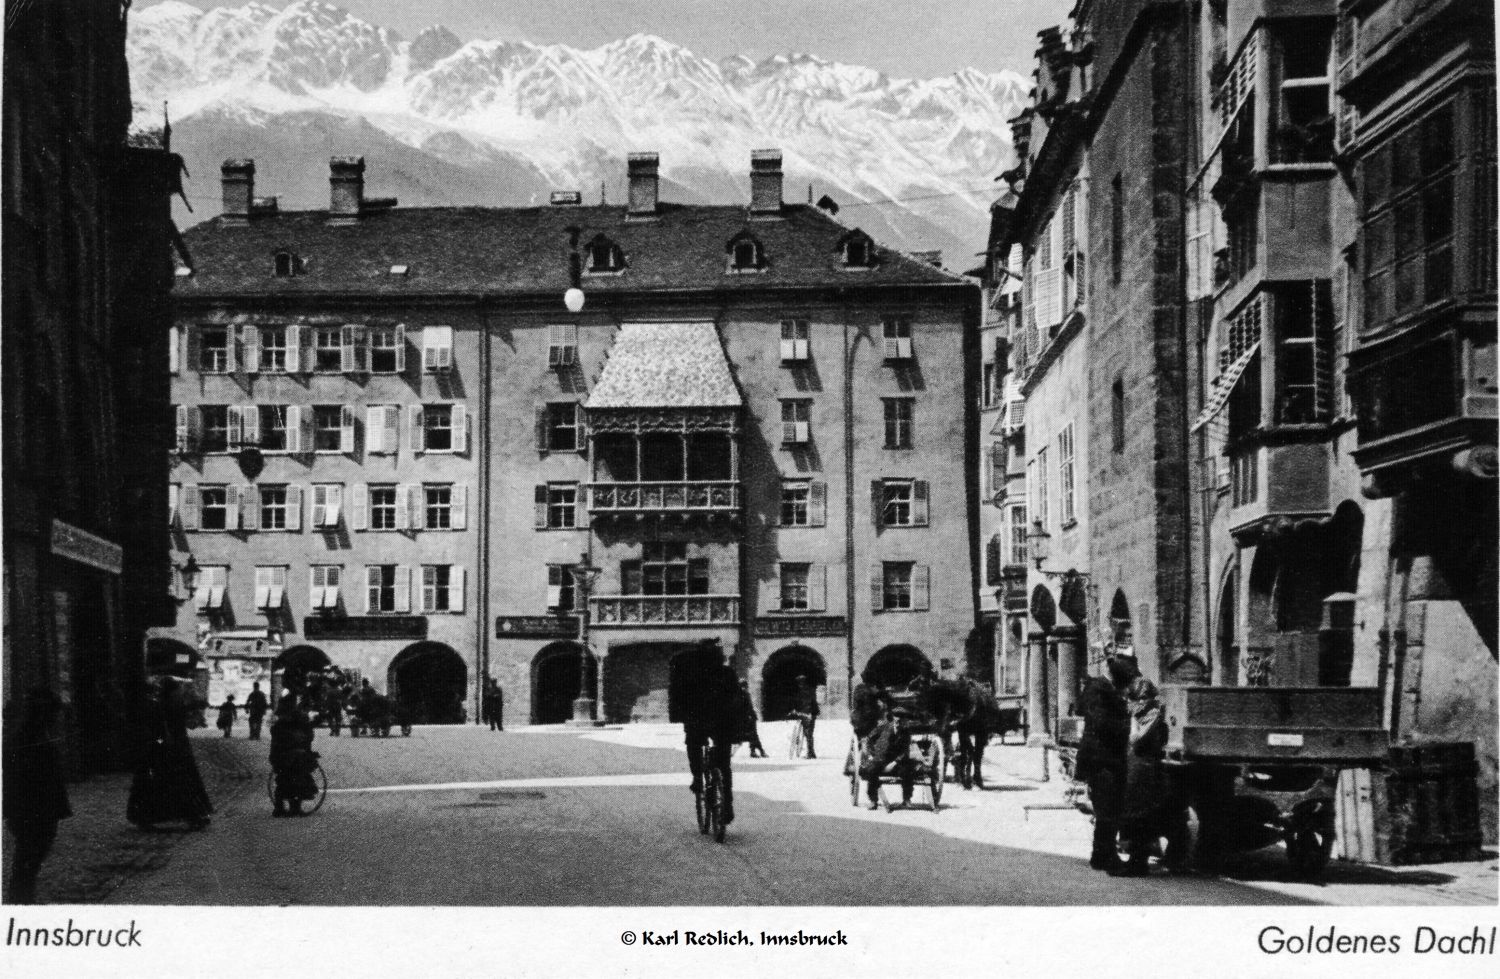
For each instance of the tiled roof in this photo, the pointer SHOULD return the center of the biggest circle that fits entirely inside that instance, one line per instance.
(525, 251)
(666, 365)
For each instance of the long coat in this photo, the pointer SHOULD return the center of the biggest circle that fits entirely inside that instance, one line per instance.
(167, 786)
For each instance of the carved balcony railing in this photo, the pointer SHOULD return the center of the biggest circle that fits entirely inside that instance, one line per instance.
(708, 496)
(656, 610)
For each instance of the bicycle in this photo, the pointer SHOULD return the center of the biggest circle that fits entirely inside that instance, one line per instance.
(709, 800)
(797, 743)
(320, 782)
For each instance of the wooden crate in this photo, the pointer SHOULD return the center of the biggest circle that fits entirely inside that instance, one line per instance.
(1333, 725)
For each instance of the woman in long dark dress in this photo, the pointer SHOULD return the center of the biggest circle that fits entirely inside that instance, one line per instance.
(167, 787)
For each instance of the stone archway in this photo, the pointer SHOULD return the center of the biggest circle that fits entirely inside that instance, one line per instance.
(554, 682)
(432, 682)
(896, 666)
(778, 679)
(291, 669)
(1226, 633)
(170, 657)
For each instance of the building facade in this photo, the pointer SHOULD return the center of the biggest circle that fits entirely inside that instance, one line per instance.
(404, 442)
(86, 304)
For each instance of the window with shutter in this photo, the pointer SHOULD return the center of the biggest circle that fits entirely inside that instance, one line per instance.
(562, 345)
(293, 507)
(795, 341)
(897, 336)
(174, 349)
(921, 586)
(346, 429)
(375, 431)
(437, 349)
(539, 498)
(796, 421)
(190, 508)
(359, 506)
(817, 587)
(184, 447)
(459, 507)
(992, 561)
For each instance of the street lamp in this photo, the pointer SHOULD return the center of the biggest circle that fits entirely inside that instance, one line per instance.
(584, 576)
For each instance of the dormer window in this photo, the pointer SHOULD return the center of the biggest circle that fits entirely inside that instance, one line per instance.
(287, 265)
(605, 256)
(857, 250)
(746, 253)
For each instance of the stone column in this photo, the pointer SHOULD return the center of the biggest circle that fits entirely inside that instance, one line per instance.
(1038, 717)
(1069, 642)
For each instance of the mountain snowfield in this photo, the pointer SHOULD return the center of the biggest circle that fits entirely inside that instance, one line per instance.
(441, 121)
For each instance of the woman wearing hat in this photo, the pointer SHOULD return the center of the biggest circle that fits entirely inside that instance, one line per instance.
(167, 787)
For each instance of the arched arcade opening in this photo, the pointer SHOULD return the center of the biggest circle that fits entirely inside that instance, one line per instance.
(432, 681)
(778, 679)
(896, 666)
(555, 682)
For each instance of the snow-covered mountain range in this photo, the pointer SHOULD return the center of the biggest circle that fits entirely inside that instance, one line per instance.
(441, 121)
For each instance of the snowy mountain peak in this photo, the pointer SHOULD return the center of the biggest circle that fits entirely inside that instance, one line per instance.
(556, 115)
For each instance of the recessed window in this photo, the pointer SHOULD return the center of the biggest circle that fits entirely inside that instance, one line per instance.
(562, 505)
(442, 588)
(328, 350)
(564, 428)
(383, 507)
(270, 588)
(897, 335)
(437, 428)
(210, 584)
(386, 588)
(795, 497)
(273, 347)
(325, 580)
(213, 435)
(215, 350)
(896, 585)
(562, 345)
(273, 508)
(901, 502)
(328, 428)
(560, 591)
(746, 253)
(437, 502)
(387, 349)
(287, 264)
(794, 590)
(898, 422)
(796, 421)
(437, 348)
(327, 502)
(604, 256)
(795, 340)
(857, 250)
(213, 507)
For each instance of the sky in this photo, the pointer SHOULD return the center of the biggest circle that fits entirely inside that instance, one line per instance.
(903, 38)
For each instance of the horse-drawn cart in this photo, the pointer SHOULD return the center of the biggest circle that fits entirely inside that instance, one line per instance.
(1259, 765)
(907, 749)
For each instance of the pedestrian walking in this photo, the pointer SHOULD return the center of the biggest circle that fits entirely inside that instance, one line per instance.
(227, 713)
(807, 711)
(292, 758)
(167, 786)
(36, 799)
(1102, 750)
(256, 707)
(752, 722)
(333, 709)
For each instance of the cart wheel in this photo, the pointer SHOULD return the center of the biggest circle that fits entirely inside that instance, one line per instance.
(854, 755)
(1308, 849)
(935, 773)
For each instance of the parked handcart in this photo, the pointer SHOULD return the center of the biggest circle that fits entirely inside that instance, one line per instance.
(1256, 766)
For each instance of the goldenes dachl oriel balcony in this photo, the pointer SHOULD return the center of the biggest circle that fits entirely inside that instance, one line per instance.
(652, 610)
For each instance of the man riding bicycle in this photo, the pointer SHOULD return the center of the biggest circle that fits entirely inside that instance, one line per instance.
(705, 698)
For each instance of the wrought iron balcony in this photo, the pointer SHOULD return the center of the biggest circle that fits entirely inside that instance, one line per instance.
(680, 496)
(653, 610)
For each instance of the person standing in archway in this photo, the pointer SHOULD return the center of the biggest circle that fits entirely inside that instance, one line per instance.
(494, 705)
(806, 699)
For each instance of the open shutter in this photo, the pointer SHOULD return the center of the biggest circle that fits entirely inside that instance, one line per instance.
(401, 348)
(992, 561)
(372, 585)
(817, 587)
(346, 349)
(319, 515)
(542, 440)
(921, 587)
(193, 348)
(391, 439)
(236, 427)
(375, 431)
(189, 508)
(554, 586)
(817, 504)
(174, 349)
(877, 502)
(361, 349)
(346, 429)
(249, 508)
(195, 428)
(231, 350)
(581, 427)
(459, 503)
(403, 588)
(403, 507)
(233, 502)
(770, 592)
(359, 507)
(877, 586)
(456, 588)
(250, 426)
(919, 506)
(294, 442)
(415, 427)
(418, 507)
(294, 349)
(294, 508)
(460, 429)
(251, 347)
(183, 443)
(539, 497)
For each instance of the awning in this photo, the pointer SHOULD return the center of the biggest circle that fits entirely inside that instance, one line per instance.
(666, 365)
(1223, 387)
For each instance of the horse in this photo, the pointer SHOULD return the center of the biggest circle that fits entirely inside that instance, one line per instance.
(967, 708)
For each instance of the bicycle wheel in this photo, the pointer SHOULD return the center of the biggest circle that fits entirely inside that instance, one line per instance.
(320, 779)
(700, 803)
(794, 743)
(936, 763)
(713, 789)
(855, 760)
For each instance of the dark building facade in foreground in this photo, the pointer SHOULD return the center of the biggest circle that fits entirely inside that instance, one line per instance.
(396, 441)
(86, 290)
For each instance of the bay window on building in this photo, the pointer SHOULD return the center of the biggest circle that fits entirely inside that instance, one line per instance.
(664, 568)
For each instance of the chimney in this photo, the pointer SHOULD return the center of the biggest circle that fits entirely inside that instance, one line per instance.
(765, 181)
(238, 178)
(642, 168)
(346, 187)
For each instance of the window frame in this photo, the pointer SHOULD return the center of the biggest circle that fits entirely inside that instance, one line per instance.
(215, 358)
(900, 422)
(437, 512)
(791, 486)
(796, 421)
(898, 582)
(222, 506)
(269, 509)
(898, 338)
(270, 588)
(318, 598)
(562, 514)
(214, 579)
(273, 356)
(795, 592)
(1066, 476)
(381, 511)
